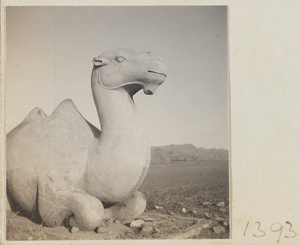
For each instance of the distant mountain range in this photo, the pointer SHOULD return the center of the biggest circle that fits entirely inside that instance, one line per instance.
(186, 153)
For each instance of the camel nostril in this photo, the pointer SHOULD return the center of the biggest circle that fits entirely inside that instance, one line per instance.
(149, 89)
(148, 92)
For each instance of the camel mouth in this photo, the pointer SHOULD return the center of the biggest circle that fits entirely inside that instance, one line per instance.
(157, 73)
(132, 89)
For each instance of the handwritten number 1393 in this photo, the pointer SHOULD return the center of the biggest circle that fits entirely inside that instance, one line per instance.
(275, 227)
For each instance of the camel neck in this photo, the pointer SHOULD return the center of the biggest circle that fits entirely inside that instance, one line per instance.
(119, 119)
(121, 149)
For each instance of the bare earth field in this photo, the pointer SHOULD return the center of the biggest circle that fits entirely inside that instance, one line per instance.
(184, 200)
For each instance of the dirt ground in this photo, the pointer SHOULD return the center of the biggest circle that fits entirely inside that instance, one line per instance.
(184, 201)
(161, 226)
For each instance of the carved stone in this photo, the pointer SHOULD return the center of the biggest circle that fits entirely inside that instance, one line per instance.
(66, 169)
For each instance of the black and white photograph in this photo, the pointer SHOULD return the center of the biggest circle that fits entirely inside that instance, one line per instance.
(149, 122)
(120, 116)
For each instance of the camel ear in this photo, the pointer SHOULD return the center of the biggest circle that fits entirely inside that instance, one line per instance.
(100, 61)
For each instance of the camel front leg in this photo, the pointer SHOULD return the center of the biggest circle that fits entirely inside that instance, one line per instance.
(87, 211)
(127, 210)
(57, 203)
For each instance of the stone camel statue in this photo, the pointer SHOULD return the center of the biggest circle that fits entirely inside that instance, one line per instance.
(64, 168)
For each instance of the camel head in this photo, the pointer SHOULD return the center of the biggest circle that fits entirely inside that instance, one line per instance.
(124, 68)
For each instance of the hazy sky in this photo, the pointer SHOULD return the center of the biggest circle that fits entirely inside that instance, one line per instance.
(50, 49)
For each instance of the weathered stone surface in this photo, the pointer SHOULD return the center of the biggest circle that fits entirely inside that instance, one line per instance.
(221, 204)
(137, 223)
(58, 150)
(219, 229)
(74, 229)
(148, 219)
(147, 230)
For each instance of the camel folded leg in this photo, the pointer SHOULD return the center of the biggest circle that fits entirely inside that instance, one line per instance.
(129, 209)
(56, 203)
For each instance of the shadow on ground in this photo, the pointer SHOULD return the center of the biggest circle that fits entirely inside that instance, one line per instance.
(155, 226)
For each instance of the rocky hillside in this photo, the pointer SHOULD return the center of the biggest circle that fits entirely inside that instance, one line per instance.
(186, 153)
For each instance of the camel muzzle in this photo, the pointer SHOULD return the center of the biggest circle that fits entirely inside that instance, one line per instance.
(149, 89)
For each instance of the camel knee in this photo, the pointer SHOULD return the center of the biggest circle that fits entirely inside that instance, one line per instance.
(138, 202)
(129, 209)
(87, 213)
(86, 222)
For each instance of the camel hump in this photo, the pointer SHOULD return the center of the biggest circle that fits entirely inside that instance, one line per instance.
(66, 106)
(68, 115)
(36, 113)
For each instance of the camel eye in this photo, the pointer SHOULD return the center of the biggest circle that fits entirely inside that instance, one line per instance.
(120, 59)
